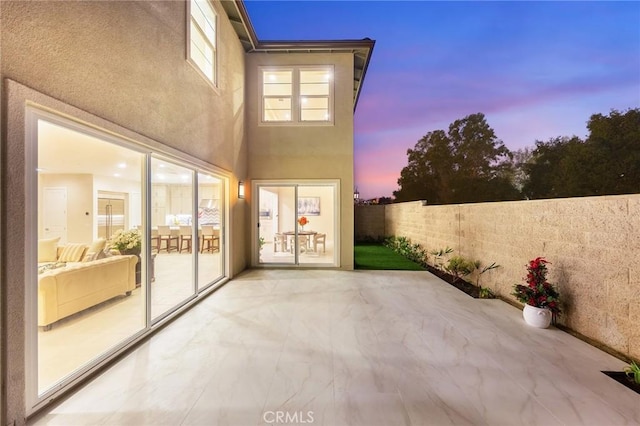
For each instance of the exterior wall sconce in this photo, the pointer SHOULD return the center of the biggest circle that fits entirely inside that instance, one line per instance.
(241, 189)
(356, 195)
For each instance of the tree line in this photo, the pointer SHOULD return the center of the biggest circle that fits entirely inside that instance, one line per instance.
(468, 163)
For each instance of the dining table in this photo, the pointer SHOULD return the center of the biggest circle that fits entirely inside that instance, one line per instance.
(291, 235)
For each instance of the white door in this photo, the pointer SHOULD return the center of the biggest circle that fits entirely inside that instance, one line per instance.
(54, 214)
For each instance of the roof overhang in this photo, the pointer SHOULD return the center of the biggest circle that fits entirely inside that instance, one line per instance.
(361, 49)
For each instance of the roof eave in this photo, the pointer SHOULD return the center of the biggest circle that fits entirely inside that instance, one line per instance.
(361, 49)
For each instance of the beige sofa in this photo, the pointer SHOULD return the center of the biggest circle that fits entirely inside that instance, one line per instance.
(71, 289)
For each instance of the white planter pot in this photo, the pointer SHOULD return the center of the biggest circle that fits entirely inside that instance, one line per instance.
(536, 317)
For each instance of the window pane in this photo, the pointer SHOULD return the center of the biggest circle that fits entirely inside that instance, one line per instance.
(171, 221)
(316, 76)
(203, 14)
(277, 77)
(314, 115)
(277, 109)
(203, 37)
(314, 109)
(315, 103)
(89, 285)
(277, 115)
(277, 90)
(210, 220)
(314, 89)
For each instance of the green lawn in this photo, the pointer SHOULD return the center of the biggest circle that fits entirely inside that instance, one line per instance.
(375, 256)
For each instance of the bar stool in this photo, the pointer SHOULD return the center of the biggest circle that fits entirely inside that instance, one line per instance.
(186, 236)
(165, 235)
(210, 239)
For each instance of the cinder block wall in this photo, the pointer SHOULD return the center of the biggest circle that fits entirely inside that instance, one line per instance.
(593, 244)
(369, 222)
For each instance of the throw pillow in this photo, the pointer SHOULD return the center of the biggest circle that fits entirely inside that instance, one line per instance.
(47, 250)
(97, 245)
(95, 250)
(89, 257)
(72, 252)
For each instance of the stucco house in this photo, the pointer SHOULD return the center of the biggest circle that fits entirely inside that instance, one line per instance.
(151, 151)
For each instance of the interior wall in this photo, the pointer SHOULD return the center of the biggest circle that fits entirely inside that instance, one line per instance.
(79, 202)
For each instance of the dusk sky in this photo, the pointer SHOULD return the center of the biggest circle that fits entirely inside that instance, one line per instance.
(537, 70)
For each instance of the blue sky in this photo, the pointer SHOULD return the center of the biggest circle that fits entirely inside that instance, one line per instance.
(537, 70)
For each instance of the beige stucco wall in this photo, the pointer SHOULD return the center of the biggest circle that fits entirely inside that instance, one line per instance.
(593, 245)
(306, 152)
(120, 66)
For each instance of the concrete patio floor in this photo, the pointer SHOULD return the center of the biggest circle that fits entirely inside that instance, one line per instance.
(352, 348)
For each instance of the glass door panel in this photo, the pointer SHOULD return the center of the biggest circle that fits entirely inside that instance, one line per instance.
(172, 223)
(317, 210)
(277, 225)
(297, 224)
(90, 296)
(210, 229)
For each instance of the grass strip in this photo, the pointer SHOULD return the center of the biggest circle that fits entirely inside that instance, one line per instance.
(378, 257)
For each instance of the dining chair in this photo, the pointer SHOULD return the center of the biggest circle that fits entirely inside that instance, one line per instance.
(319, 239)
(186, 236)
(210, 239)
(165, 235)
(279, 240)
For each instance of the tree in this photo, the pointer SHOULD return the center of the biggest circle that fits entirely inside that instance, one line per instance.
(606, 163)
(615, 139)
(466, 164)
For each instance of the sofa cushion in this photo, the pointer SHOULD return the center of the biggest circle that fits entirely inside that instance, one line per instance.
(47, 250)
(95, 250)
(72, 252)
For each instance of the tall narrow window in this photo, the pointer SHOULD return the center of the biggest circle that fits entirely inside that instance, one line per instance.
(202, 47)
(277, 94)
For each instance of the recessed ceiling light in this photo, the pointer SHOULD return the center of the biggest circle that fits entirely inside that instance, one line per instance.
(116, 175)
(122, 165)
(161, 165)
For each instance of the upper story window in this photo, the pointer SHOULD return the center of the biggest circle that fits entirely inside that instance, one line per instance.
(202, 38)
(302, 95)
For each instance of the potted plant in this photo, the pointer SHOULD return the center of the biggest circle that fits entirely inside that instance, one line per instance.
(127, 242)
(540, 298)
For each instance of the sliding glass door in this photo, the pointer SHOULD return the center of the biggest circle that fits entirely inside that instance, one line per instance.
(297, 224)
(88, 283)
(121, 239)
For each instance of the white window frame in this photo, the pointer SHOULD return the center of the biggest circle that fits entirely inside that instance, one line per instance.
(211, 43)
(296, 98)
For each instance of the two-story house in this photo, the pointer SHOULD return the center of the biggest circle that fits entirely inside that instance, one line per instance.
(151, 151)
